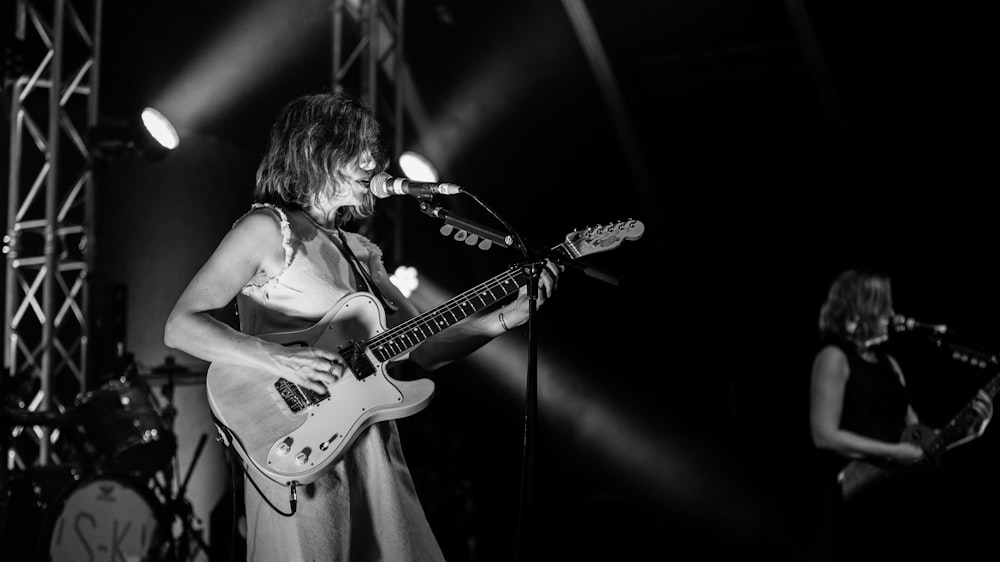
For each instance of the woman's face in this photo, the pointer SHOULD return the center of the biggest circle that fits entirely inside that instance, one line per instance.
(354, 189)
(879, 314)
(882, 323)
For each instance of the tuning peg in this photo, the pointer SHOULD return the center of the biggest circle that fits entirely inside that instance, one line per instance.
(446, 230)
(461, 235)
(472, 239)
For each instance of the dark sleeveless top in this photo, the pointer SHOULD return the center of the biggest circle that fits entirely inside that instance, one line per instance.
(875, 399)
(875, 405)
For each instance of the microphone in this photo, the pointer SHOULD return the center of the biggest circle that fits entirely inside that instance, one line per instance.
(902, 323)
(383, 185)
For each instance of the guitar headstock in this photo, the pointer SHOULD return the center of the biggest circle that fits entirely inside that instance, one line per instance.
(596, 239)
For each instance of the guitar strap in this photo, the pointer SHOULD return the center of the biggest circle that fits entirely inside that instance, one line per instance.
(364, 280)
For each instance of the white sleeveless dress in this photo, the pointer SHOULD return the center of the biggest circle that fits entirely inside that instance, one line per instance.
(365, 508)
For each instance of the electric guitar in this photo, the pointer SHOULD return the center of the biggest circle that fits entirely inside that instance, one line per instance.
(293, 435)
(861, 475)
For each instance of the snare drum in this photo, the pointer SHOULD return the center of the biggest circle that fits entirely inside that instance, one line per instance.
(124, 428)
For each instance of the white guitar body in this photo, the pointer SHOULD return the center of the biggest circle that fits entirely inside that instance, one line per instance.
(293, 435)
(298, 446)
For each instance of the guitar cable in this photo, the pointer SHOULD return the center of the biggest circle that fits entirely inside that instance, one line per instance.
(230, 437)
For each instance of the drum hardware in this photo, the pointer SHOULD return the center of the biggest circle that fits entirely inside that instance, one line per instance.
(31, 489)
(176, 499)
(23, 417)
(60, 514)
(181, 509)
(127, 493)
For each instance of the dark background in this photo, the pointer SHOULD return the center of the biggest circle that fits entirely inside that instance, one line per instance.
(763, 151)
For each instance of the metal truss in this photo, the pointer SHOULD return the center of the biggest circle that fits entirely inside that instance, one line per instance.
(50, 210)
(368, 63)
(368, 52)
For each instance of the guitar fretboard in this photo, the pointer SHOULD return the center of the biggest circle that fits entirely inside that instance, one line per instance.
(956, 427)
(407, 335)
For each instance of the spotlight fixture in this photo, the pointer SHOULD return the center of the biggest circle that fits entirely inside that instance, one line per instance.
(159, 129)
(150, 135)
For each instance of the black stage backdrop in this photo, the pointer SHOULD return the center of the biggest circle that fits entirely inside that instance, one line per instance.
(764, 146)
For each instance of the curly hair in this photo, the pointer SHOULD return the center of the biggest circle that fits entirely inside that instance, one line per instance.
(856, 301)
(313, 139)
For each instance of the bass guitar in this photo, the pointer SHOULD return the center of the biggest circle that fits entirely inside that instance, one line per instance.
(292, 435)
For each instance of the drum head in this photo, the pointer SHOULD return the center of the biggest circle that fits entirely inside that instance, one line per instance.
(106, 518)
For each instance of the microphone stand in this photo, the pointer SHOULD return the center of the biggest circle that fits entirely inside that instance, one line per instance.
(963, 354)
(525, 537)
(942, 336)
(507, 240)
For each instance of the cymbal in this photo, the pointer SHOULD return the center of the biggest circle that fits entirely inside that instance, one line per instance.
(14, 417)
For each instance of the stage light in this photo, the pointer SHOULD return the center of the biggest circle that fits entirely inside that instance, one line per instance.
(150, 135)
(416, 167)
(406, 279)
(160, 129)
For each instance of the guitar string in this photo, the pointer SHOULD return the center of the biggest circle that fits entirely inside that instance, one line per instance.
(310, 397)
(379, 341)
(454, 303)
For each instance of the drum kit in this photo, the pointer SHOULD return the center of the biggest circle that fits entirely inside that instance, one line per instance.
(116, 499)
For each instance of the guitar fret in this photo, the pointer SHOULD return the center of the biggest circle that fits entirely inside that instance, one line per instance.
(415, 330)
(395, 347)
(405, 337)
(399, 343)
(402, 343)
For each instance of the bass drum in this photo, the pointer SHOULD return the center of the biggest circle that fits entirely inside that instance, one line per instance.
(99, 519)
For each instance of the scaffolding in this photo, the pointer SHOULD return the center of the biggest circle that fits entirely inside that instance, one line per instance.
(51, 95)
(368, 63)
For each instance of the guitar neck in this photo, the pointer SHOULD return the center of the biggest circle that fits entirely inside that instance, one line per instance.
(407, 335)
(956, 427)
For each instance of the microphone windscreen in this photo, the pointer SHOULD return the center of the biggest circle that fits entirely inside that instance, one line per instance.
(379, 185)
